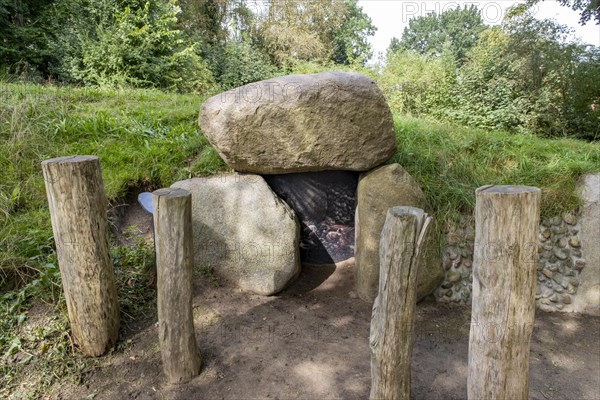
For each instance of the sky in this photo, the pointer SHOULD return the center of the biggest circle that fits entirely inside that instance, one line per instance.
(391, 16)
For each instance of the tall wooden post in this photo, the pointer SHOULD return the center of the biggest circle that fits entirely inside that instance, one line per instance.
(174, 257)
(504, 279)
(78, 213)
(392, 320)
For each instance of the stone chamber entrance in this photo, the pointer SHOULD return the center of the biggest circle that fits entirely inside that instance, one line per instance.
(325, 204)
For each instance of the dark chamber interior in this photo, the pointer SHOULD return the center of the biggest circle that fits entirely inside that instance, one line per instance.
(325, 203)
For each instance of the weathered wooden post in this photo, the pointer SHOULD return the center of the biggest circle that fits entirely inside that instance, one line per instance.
(78, 213)
(391, 339)
(504, 279)
(174, 257)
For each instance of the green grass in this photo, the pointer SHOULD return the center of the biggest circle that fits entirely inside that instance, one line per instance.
(451, 161)
(149, 139)
(143, 138)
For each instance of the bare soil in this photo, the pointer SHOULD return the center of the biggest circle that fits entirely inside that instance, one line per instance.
(311, 342)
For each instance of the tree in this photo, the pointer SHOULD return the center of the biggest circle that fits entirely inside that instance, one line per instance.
(350, 40)
(24, 29)
(590, 9)
(459, 27)
(526, 75)
(291, 31)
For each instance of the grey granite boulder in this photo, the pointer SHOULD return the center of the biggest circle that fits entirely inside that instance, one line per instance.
(587, 300)
(379, 190)
(301, 123)
(244, 231)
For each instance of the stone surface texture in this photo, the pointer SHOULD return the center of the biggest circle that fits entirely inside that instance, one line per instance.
(378, 190)
(301, 123)
(243, 231)
(588, 300)
(561, 266)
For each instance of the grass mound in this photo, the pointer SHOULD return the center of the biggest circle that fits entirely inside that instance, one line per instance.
(451, 161)
(149, 139)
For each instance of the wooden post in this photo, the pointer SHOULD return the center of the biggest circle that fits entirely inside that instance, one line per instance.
(174, 257)
(78, 213)
(504, 279)
(392, 320)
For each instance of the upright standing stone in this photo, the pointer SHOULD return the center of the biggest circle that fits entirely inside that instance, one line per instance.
(379, 190)
(244, 231)
(301, 123)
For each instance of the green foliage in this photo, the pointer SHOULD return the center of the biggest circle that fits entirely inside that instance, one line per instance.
(241, 63)
(350, 39)
(589, 9)
(418, 84)
(24, 28)
(131, 45)
(135, 276)
(456, 29)
(523, 76)
(314, 30)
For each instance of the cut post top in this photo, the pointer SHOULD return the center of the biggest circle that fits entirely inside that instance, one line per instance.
(70, 160)
(507, 189)
(171, 192)
(398, 211)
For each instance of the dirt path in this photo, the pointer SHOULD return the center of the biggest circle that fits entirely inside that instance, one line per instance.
(311, 342)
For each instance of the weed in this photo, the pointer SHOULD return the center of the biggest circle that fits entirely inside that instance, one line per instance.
(135, 276)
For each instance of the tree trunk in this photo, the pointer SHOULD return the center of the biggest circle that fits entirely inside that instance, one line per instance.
(504, 279)
(78, 212)
(392, 327)
(174, 255)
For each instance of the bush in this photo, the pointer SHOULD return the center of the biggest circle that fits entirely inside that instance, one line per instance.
(418, 84)
(240, 63)
(135, 45)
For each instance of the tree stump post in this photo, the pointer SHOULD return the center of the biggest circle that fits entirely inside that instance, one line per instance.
(392, 320)
(504, 280)
(174, 258)
(77, 206)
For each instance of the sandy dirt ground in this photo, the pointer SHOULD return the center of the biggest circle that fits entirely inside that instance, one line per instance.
(311, 342)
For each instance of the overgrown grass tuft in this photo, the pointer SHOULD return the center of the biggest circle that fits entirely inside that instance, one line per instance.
(143, 138)
(451, 161)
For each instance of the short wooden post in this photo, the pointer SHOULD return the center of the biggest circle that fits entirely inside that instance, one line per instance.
(174, 257)
(504, 279)
(392, 320)
(78, 213)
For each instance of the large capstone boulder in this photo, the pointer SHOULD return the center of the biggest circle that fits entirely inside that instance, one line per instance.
(300, 123)
(243, 231)
(379, 190)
